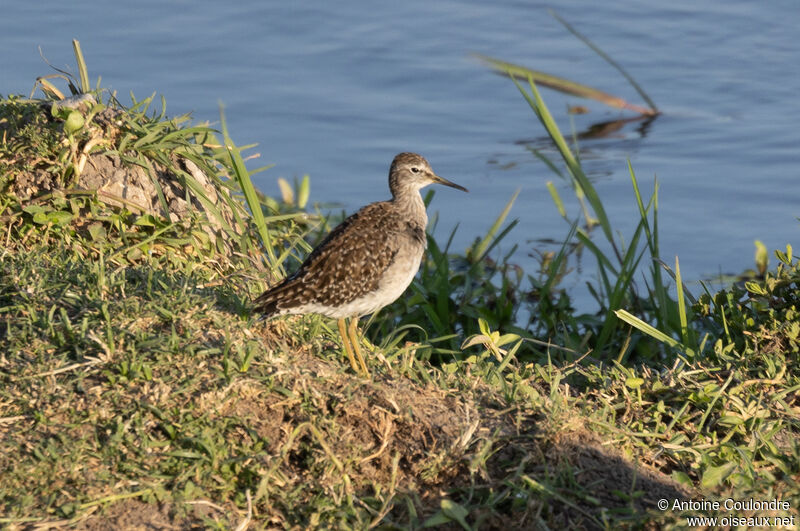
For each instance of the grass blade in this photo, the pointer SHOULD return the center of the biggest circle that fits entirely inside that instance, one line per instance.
(556, 199)
(536, 103)
(648, 329)
(481, 248)
(243, 178)
(681, 304)
(653, 110)
(84, 73)
(561, 84)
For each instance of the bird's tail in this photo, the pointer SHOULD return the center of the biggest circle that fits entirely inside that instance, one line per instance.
(279, 299)
(267, 302)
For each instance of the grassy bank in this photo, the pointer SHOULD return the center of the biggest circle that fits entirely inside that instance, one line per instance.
(136, 390)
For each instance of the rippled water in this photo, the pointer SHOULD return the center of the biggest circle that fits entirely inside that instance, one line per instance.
(335, 90)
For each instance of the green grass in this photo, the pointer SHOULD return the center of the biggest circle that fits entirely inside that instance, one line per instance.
(136, 389)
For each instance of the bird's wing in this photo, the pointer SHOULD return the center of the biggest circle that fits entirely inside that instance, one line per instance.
(348, 264)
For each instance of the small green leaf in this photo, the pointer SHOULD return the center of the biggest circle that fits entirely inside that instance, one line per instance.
(455, 512)
(477, 339)
(786, 257)
(145, 220)
(715, 475)
(34, 209)
(730, 420)
(682, 478)
(755, 288)
(304, 191)
(450, 512)
(73, 122)
(633, 383)
(438, 519)
(97, 232)
(762, 257)
(68, 509)
(59, 217)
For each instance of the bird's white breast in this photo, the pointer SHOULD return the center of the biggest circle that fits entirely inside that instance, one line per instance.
(399, 276)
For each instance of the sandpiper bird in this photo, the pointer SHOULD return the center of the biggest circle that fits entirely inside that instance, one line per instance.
(366, 262)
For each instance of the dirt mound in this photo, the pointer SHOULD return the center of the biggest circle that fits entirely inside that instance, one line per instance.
(365, 422)
(305, 436)
(430, 444)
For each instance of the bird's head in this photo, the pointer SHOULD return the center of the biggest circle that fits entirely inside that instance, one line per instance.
(410, 172)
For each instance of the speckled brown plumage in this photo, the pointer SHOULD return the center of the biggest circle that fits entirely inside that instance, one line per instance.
(348, 264)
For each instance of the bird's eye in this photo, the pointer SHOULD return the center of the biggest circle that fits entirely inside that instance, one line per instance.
(415, 170)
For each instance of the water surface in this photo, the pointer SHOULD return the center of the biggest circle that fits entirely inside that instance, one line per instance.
(335, 90)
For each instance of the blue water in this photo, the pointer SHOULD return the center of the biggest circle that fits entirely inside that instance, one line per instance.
(335, 90)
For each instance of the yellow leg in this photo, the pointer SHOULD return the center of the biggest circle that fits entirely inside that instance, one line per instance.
(354, 340)
(346, 345)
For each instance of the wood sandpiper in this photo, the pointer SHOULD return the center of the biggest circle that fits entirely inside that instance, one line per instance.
(366, 262)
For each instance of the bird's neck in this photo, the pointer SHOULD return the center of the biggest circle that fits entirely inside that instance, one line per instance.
(411, 205)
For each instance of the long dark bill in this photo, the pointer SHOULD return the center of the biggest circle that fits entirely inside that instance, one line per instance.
(442, 180)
